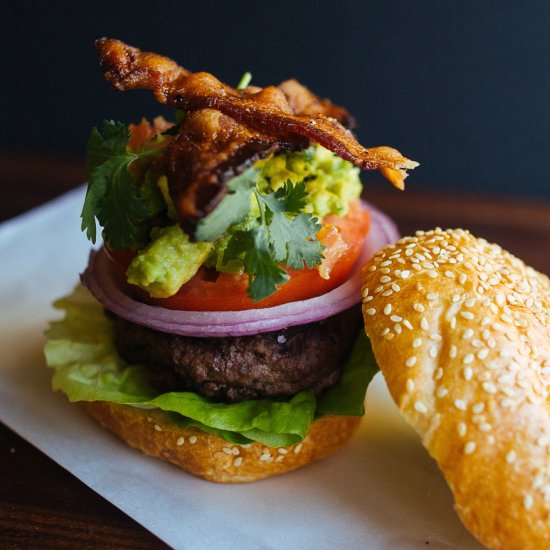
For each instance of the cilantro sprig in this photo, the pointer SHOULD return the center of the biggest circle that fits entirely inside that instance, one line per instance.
(113, 197)
(283, 235)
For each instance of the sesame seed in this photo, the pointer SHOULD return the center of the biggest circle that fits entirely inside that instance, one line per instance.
(424, 324)
(511, 457)
(462, 278)
(238, 461)
(478, 408)
(528, 502)
(279, 459)
(385, 263)
(433, 352)
(419, 307)
(385, 279)
(455, 298)
(410, 385)
(266, 457)
(397, 328)
(371, 311)
(461, 428)
(469, 358)
(417, 342)
(470, 302)
(235, 450)
(467, 314)
(460, 404)
(507, 403)
(396, 318)
(395, 287)
(180, 441)
(298, 448)
(282, 451)
(453, 351)
(468, 373)
(405, 274)
(432, 296)
(467, 334)
(441, 392)
(483, 353)
(388, 292)
(387, 309)
(407, 324)
(281, 338)
(470, 447)
(432, 274)
(193, 439)
(158, 428)
(449, 274)
(227, 450)
(368, 298)
(420, 407)
(411, 361)
(438, 374)
(452, 322)
(485, 427)
(489, 387)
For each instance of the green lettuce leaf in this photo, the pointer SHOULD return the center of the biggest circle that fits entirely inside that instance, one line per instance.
(80, 350)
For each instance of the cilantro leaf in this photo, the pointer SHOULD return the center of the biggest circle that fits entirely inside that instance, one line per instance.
(292, 238)
(112, 195)
(264, 273)
(233, 208)
(282, 234)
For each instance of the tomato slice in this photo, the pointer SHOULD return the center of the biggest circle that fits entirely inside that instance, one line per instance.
(212, 291)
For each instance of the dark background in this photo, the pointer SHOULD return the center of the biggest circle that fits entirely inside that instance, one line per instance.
(463, 87)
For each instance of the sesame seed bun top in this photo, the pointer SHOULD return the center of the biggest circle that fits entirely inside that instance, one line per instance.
(461, 331)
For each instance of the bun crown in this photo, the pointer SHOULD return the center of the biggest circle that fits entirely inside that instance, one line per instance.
(461, 331)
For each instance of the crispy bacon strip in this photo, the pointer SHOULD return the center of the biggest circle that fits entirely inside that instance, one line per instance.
(267, 111)
(261, 119)
(209, 149)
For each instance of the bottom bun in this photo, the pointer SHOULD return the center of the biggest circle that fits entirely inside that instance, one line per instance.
(209, 457)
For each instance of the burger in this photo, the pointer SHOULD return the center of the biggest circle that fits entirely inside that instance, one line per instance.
(218, 327)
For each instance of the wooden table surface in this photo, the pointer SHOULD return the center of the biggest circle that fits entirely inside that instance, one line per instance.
(42, 505)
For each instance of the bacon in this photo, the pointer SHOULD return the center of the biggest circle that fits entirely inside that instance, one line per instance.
(255, 122)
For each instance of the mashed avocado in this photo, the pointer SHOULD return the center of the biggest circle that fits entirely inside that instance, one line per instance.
(167, 263)
(331, 182)
(170, 260)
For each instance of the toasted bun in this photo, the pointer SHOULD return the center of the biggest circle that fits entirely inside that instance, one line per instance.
(461, 331)
(209, 457)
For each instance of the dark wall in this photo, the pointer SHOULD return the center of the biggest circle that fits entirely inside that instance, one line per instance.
(461, 86)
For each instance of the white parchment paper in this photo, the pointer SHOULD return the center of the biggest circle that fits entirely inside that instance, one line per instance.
(381, 492)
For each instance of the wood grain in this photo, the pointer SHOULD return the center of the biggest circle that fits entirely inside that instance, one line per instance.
(42, 505)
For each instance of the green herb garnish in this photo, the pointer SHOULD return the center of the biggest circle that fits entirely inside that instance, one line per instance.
(113, 197)
(244, 81)
(283, 235)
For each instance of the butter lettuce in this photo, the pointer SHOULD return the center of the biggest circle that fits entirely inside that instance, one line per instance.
(80, 350)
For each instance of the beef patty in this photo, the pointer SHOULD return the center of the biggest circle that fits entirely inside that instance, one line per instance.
(235, 368)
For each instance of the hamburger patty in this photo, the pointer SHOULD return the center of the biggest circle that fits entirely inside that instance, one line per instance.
(235, 368)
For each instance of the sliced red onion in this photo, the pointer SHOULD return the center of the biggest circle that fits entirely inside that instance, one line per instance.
(101, 283)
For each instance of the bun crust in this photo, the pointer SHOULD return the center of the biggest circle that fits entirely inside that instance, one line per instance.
(461, 331)
(209, 457)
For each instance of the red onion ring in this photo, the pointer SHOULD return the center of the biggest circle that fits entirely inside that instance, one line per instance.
(106, 289)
